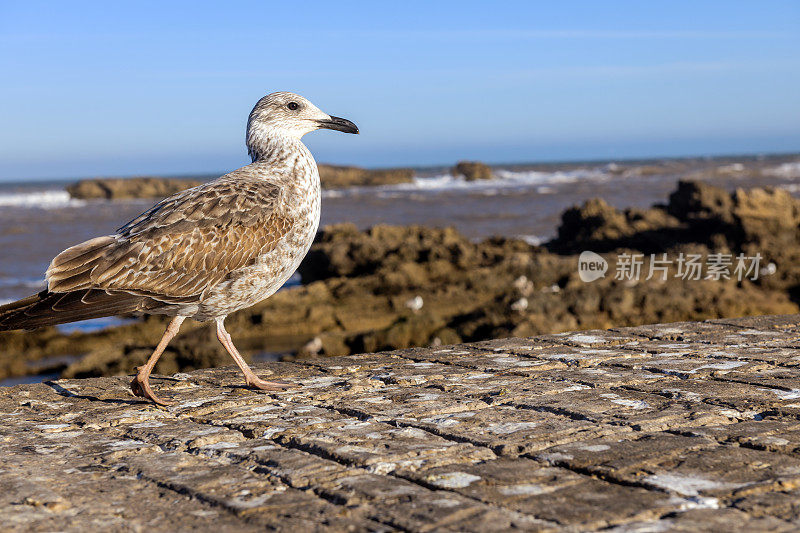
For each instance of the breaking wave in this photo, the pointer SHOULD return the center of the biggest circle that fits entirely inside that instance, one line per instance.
(786, 170)
(504, 181)
(48, 199)
(32, 283)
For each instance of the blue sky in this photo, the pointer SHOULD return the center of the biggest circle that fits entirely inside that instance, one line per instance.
(165, 88)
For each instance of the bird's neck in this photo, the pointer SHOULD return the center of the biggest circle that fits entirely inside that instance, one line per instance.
(287, 156)
(277, 149)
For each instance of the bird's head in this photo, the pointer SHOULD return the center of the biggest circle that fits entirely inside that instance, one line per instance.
(289, 114)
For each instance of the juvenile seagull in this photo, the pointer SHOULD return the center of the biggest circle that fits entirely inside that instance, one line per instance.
(202, 253)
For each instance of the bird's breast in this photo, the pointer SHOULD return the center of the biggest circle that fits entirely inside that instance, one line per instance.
(250, 285)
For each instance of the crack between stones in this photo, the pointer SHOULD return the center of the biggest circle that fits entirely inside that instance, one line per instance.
(399, 423)
(186, 491)
(560, 412)
(291, 444)
(574, 416)
(586, 472)
(256, 468)
(710, 402)
(332, 498)
(252, 465)
(321, 453)
(743, 382)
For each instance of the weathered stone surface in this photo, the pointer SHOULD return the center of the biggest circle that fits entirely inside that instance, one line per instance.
(331, 177)
(335, 177)
(398, 287)
(472, 170)
(679, 427)
(125, 188)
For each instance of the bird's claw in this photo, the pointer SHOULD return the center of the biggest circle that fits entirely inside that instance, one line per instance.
(258, 383)
(140, 386)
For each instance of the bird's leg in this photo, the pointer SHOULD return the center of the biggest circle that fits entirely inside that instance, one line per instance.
(141, 383)
(249, 376)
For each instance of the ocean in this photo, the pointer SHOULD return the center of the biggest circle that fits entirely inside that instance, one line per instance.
(39, 219)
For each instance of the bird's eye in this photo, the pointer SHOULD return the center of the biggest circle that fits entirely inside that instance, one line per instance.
(293, 105)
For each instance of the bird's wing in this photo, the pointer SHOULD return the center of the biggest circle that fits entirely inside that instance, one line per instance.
(183, 246)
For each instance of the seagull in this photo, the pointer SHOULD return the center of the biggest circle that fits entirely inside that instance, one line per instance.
(204, 252)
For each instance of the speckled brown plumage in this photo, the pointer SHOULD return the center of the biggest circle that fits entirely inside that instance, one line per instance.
(205, 252)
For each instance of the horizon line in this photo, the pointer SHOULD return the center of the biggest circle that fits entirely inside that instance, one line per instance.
(747, 155)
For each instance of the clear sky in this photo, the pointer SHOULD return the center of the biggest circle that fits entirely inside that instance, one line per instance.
(103, 88)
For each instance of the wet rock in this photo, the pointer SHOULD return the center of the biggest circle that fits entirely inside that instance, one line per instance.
(764, 220)
(331, 177)
(695, 200)
(600, 227)
(392, 287)
(337, 177)
(472, 170)
(127, 188)
(766, 214)
(408, 330)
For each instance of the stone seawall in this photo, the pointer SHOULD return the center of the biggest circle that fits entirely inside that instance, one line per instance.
(685, 426)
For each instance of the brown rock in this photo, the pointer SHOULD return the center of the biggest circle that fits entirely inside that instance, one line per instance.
(337, 177)
(331, 177)
(472, 170)
(694, 200)
(127, 188)
(766, 213)
(393, 287)
(600, 227)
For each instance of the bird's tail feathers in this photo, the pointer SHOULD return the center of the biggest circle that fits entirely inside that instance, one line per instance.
(72, 269)
(51, 308)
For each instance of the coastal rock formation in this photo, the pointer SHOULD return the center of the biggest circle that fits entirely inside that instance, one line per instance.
(472, 170)
(600, 227)
(695, 201)
(127, 188)
(331, 177)
(394, 287)
(337, 177)
(697, 213)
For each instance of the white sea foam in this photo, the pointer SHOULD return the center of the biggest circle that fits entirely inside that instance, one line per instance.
(786, 170)
(533, 240)
(48, 199)
(32, 283)
(504, 181)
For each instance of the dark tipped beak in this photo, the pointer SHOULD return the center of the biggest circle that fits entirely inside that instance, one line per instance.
(339, 124)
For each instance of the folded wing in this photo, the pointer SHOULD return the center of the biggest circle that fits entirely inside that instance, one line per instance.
(170, 255)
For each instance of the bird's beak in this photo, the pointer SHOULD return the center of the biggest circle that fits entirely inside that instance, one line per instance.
(338, 124)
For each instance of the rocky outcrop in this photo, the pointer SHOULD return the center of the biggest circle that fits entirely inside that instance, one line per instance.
(394, 287)
(697, 213)
(696, 201)
(472, 170)
(331, 177)
(338, 177)
(600, 227)
(127, 188)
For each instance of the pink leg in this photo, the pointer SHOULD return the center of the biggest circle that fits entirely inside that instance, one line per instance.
(249, 376)
(141, 383)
